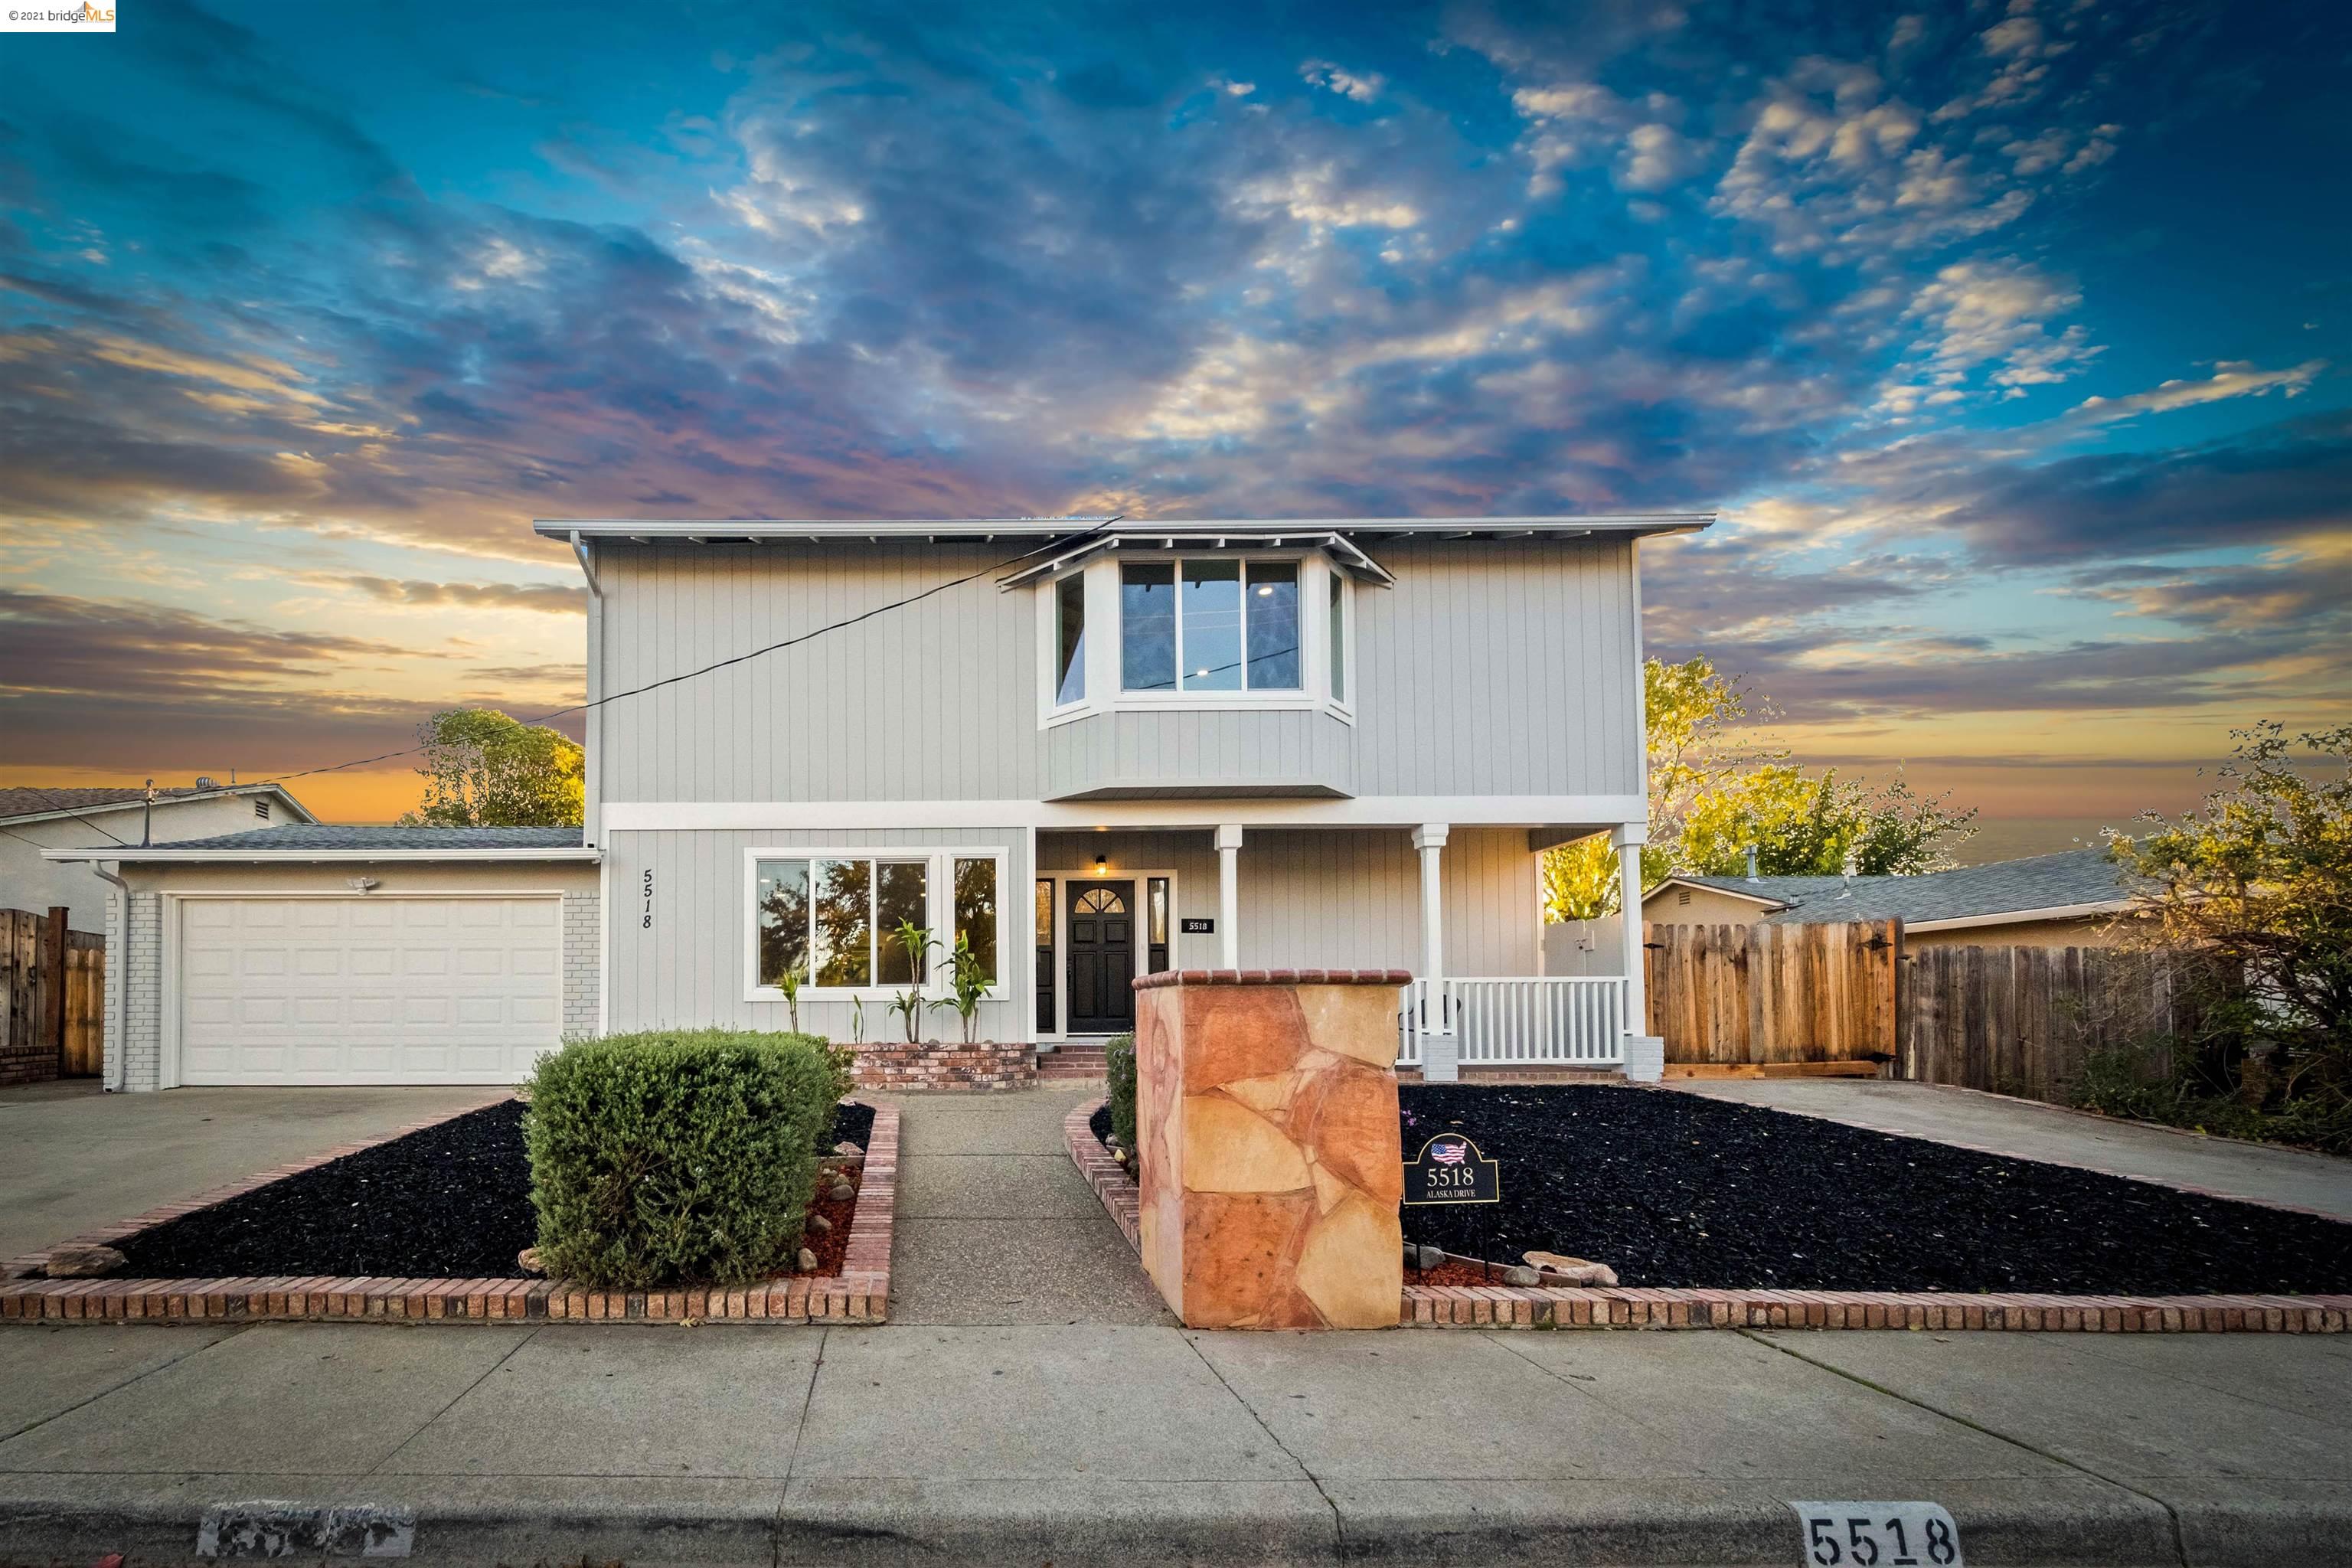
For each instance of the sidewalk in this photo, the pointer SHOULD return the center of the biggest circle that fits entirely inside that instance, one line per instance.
(1122, 1444)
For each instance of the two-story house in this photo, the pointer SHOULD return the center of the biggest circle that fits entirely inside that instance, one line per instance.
(1085, 749)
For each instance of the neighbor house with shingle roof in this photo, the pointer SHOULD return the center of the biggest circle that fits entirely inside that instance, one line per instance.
(2067, 900)
(37, 817)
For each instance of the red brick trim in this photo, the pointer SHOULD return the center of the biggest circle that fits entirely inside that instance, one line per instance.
(1110, 1182)
(980, 1068)
(1561, 1307)
(860, 1293)
(1272, 977)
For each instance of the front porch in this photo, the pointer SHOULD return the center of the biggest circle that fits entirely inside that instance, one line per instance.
(1111, 904)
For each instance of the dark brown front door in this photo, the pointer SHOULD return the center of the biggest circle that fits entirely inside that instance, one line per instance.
(1102, 957)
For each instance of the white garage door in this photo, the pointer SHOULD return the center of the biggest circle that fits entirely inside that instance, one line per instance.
(367, 990)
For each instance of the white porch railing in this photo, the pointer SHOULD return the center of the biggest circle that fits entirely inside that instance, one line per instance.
(1557, 1020)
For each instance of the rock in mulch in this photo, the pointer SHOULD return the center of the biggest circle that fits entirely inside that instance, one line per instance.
(83, 1262)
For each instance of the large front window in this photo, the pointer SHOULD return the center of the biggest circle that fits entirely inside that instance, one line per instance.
(1209, 624)
(839, 922)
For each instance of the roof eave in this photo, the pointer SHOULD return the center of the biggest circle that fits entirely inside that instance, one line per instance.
(1765, 898)
(735, 530)
(132, 855)
(2018, 917)
(135, 803)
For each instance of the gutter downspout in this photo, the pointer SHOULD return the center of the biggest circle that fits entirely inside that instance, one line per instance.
(120, 898)
(592, 728)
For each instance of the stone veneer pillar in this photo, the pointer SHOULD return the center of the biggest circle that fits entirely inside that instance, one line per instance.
(1271, 1164)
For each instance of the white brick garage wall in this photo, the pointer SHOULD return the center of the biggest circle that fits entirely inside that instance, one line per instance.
(147, 1017)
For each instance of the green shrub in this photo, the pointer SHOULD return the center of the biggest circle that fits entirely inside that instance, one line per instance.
(1119, 1060)
(2133, 1080)
(677, 1156)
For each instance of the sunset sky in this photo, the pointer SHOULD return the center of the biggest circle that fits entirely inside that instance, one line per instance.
(2011, 339)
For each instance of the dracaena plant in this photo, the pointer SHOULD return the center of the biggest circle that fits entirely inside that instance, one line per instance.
(970, 980)
(789, 982)
(909, 1004)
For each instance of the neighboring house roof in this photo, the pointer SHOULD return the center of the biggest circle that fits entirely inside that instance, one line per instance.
(22, 802)
(935, 530)
(2072, 884)
(337, 841)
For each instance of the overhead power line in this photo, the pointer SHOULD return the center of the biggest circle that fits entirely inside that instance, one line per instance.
(1058, 543)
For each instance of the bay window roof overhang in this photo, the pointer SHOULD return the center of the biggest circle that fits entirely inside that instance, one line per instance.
(1343, 550)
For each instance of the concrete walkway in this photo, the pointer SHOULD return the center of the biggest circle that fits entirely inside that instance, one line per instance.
(72, 1157)
(1121, 1444)
(2029, 1131)
(996, 1226)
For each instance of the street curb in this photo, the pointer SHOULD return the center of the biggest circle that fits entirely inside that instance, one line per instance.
(1076, 1522)
(1559, 1307)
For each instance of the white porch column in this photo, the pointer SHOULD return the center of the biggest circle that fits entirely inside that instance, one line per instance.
(1229, 894)
(1645, 1053)
(1440, 1048)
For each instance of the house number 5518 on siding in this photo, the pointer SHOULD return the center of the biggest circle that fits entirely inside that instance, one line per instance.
(649, 899)
(1877, 1535)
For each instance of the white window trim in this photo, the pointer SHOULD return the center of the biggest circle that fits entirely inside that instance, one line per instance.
(1106, 690)
(938, 911)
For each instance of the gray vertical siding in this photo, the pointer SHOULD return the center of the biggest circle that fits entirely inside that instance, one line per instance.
(937, 701)
(1489, 668)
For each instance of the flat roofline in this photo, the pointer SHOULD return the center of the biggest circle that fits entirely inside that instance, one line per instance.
(698, 531)
(135, 854)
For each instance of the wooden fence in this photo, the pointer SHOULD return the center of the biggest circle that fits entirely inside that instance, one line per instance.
(52, 998)
(2020, 1020)
(1728, 995)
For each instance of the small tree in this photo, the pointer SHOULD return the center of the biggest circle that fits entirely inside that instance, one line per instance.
(2259, 877)
(483, 769)
(1714, 796)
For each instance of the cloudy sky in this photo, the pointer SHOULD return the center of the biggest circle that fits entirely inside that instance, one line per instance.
(2012, 339)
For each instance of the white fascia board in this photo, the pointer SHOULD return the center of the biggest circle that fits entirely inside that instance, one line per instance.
(1598, 811)
(133, 856)
(2018, 917)
(690, 529)
(1765, 898)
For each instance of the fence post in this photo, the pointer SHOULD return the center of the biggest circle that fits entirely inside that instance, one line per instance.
(53, 983)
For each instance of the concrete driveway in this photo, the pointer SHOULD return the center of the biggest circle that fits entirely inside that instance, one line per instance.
(2029, 1130)
(72, 1157)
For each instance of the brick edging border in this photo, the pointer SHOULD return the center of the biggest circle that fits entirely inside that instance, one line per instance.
(860, 1293)
(1564, 1307)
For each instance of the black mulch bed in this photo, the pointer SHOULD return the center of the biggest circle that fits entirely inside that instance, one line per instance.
(1675, 1190)
(452, 1201)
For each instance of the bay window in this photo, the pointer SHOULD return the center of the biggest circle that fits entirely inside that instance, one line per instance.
(1209, 624)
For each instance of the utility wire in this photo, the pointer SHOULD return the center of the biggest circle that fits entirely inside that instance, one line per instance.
(1059, 543)
(69, 811)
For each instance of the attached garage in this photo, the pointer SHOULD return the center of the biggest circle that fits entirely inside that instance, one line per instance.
(324, 955)
(380, 989)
